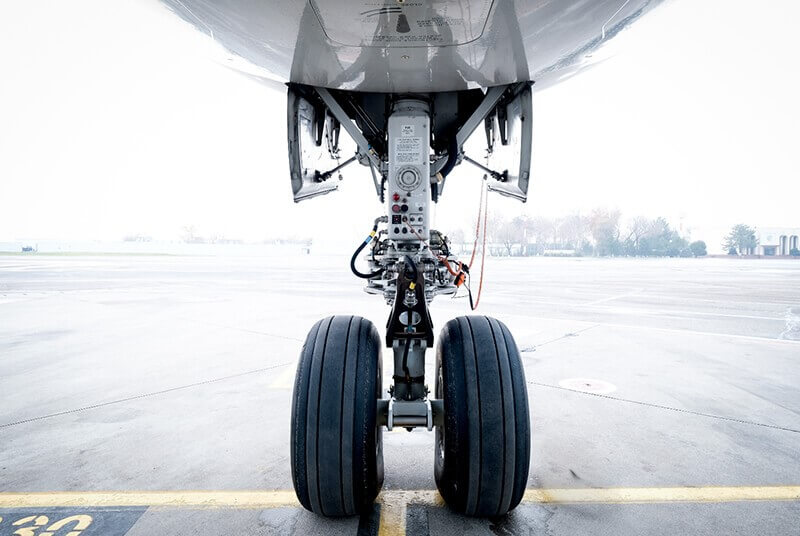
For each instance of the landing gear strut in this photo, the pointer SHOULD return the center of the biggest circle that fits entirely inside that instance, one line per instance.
(480, 406)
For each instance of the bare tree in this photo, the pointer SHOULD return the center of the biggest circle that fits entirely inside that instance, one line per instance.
(571, 231)
(509, 234)
(604, 226)
(521, 233)
(637, 229)
(190, 235)
(541, 230)
(456, 238)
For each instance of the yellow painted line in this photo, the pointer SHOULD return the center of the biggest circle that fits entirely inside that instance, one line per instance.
(663, 495)
(393, 503)
(393, 516)
(393, 508)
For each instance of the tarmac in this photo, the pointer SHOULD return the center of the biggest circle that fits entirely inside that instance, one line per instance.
(146, 395)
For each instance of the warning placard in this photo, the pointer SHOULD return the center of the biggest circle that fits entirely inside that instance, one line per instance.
(408, 150)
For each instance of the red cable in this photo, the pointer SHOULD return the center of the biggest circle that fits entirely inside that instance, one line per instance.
(483, 250)
(441, 258)
(483, 204)
(477, 230)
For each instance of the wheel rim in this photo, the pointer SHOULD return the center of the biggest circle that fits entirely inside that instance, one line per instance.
(439, 429)
(379, 429)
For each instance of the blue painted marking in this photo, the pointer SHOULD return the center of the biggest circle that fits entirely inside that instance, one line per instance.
(112, 521)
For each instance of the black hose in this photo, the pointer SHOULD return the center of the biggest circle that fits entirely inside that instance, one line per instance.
(366, 241)
(410, 271)
(452, 157)
(377, 240)
(406, 371)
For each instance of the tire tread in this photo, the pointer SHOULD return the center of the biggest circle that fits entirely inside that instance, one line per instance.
(487, 439)
(335, 454)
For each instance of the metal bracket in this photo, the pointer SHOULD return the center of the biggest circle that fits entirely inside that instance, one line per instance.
(409, 414)
(339, 113)
(430, 415)
(486, 106)
(322, 177)
(395, 328)
(364, 147)
(500, 177)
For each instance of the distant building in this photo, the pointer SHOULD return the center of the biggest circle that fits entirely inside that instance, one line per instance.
(777, 241)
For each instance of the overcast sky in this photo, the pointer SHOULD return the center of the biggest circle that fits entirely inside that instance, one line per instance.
(118, 118)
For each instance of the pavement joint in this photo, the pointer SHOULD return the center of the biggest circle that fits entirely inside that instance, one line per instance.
(668, 408)
(145, 395)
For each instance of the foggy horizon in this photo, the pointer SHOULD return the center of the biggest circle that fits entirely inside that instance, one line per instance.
(146, 130)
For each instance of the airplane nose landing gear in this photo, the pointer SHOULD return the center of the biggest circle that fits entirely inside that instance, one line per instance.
(480, 407)
(480, 411)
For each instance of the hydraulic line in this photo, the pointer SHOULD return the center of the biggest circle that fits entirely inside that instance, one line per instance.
(410, 268)
(358, 250)
(464, 269)
(406, 372)
(477, 224)
(485, 198)
(441, 259)
(452, 157)
(411, 274)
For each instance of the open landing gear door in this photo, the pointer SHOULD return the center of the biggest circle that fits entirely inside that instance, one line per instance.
(313, 145)
(509, 135)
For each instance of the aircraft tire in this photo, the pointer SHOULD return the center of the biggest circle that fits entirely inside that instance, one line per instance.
(336, 447)
(483, 450)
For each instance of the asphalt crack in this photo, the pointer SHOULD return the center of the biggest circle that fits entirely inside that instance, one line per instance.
(669, 408)
(144, 395)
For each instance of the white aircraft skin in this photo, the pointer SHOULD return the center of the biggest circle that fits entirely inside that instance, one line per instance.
(412, 46)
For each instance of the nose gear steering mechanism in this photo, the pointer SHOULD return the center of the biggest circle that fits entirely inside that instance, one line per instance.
(480, 407)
